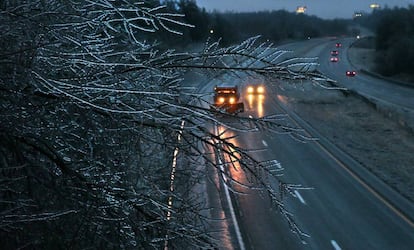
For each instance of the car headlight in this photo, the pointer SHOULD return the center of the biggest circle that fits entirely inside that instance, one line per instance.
(221, 100)
(232, 100)
(250, 89)
(260, 89)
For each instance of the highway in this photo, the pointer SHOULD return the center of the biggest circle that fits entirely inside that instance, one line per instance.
(340, 211)
(371, 87)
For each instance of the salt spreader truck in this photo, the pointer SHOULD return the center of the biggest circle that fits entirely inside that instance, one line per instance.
(227, 99)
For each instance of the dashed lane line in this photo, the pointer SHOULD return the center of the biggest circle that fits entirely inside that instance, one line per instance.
(335, 245)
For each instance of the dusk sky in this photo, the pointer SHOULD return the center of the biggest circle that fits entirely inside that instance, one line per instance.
(322, 8)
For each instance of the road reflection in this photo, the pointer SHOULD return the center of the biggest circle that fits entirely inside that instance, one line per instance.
(231, 160)
(228, 161)
(255, 102)
(282, 99)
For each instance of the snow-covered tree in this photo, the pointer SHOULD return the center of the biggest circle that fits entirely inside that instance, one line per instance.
(93, 115)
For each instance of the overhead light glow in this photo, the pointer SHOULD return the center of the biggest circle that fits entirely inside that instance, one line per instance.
(374, 6)
(300, 9)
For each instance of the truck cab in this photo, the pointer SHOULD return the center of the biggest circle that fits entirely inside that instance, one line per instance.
(228, 99)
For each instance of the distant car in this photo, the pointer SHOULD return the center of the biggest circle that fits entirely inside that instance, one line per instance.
(338, 45)
(255, 89)
(334, 59)
(334, 53)
(350, 73)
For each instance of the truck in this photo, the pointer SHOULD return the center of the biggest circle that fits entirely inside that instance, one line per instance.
(227, 99)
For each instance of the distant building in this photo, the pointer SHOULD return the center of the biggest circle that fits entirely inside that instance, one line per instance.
(356, 15)
(300, 9)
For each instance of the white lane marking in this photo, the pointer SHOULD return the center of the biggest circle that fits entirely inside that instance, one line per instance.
(335, 245)
(264, 143)
(231, 208)
(300, 197)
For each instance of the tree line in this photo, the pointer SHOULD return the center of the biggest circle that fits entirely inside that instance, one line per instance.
(231, 27)
(394, 39)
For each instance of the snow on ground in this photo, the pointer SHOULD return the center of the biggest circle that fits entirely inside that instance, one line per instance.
(363, 58)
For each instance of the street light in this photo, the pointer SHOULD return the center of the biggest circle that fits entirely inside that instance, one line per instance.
(374, 6)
